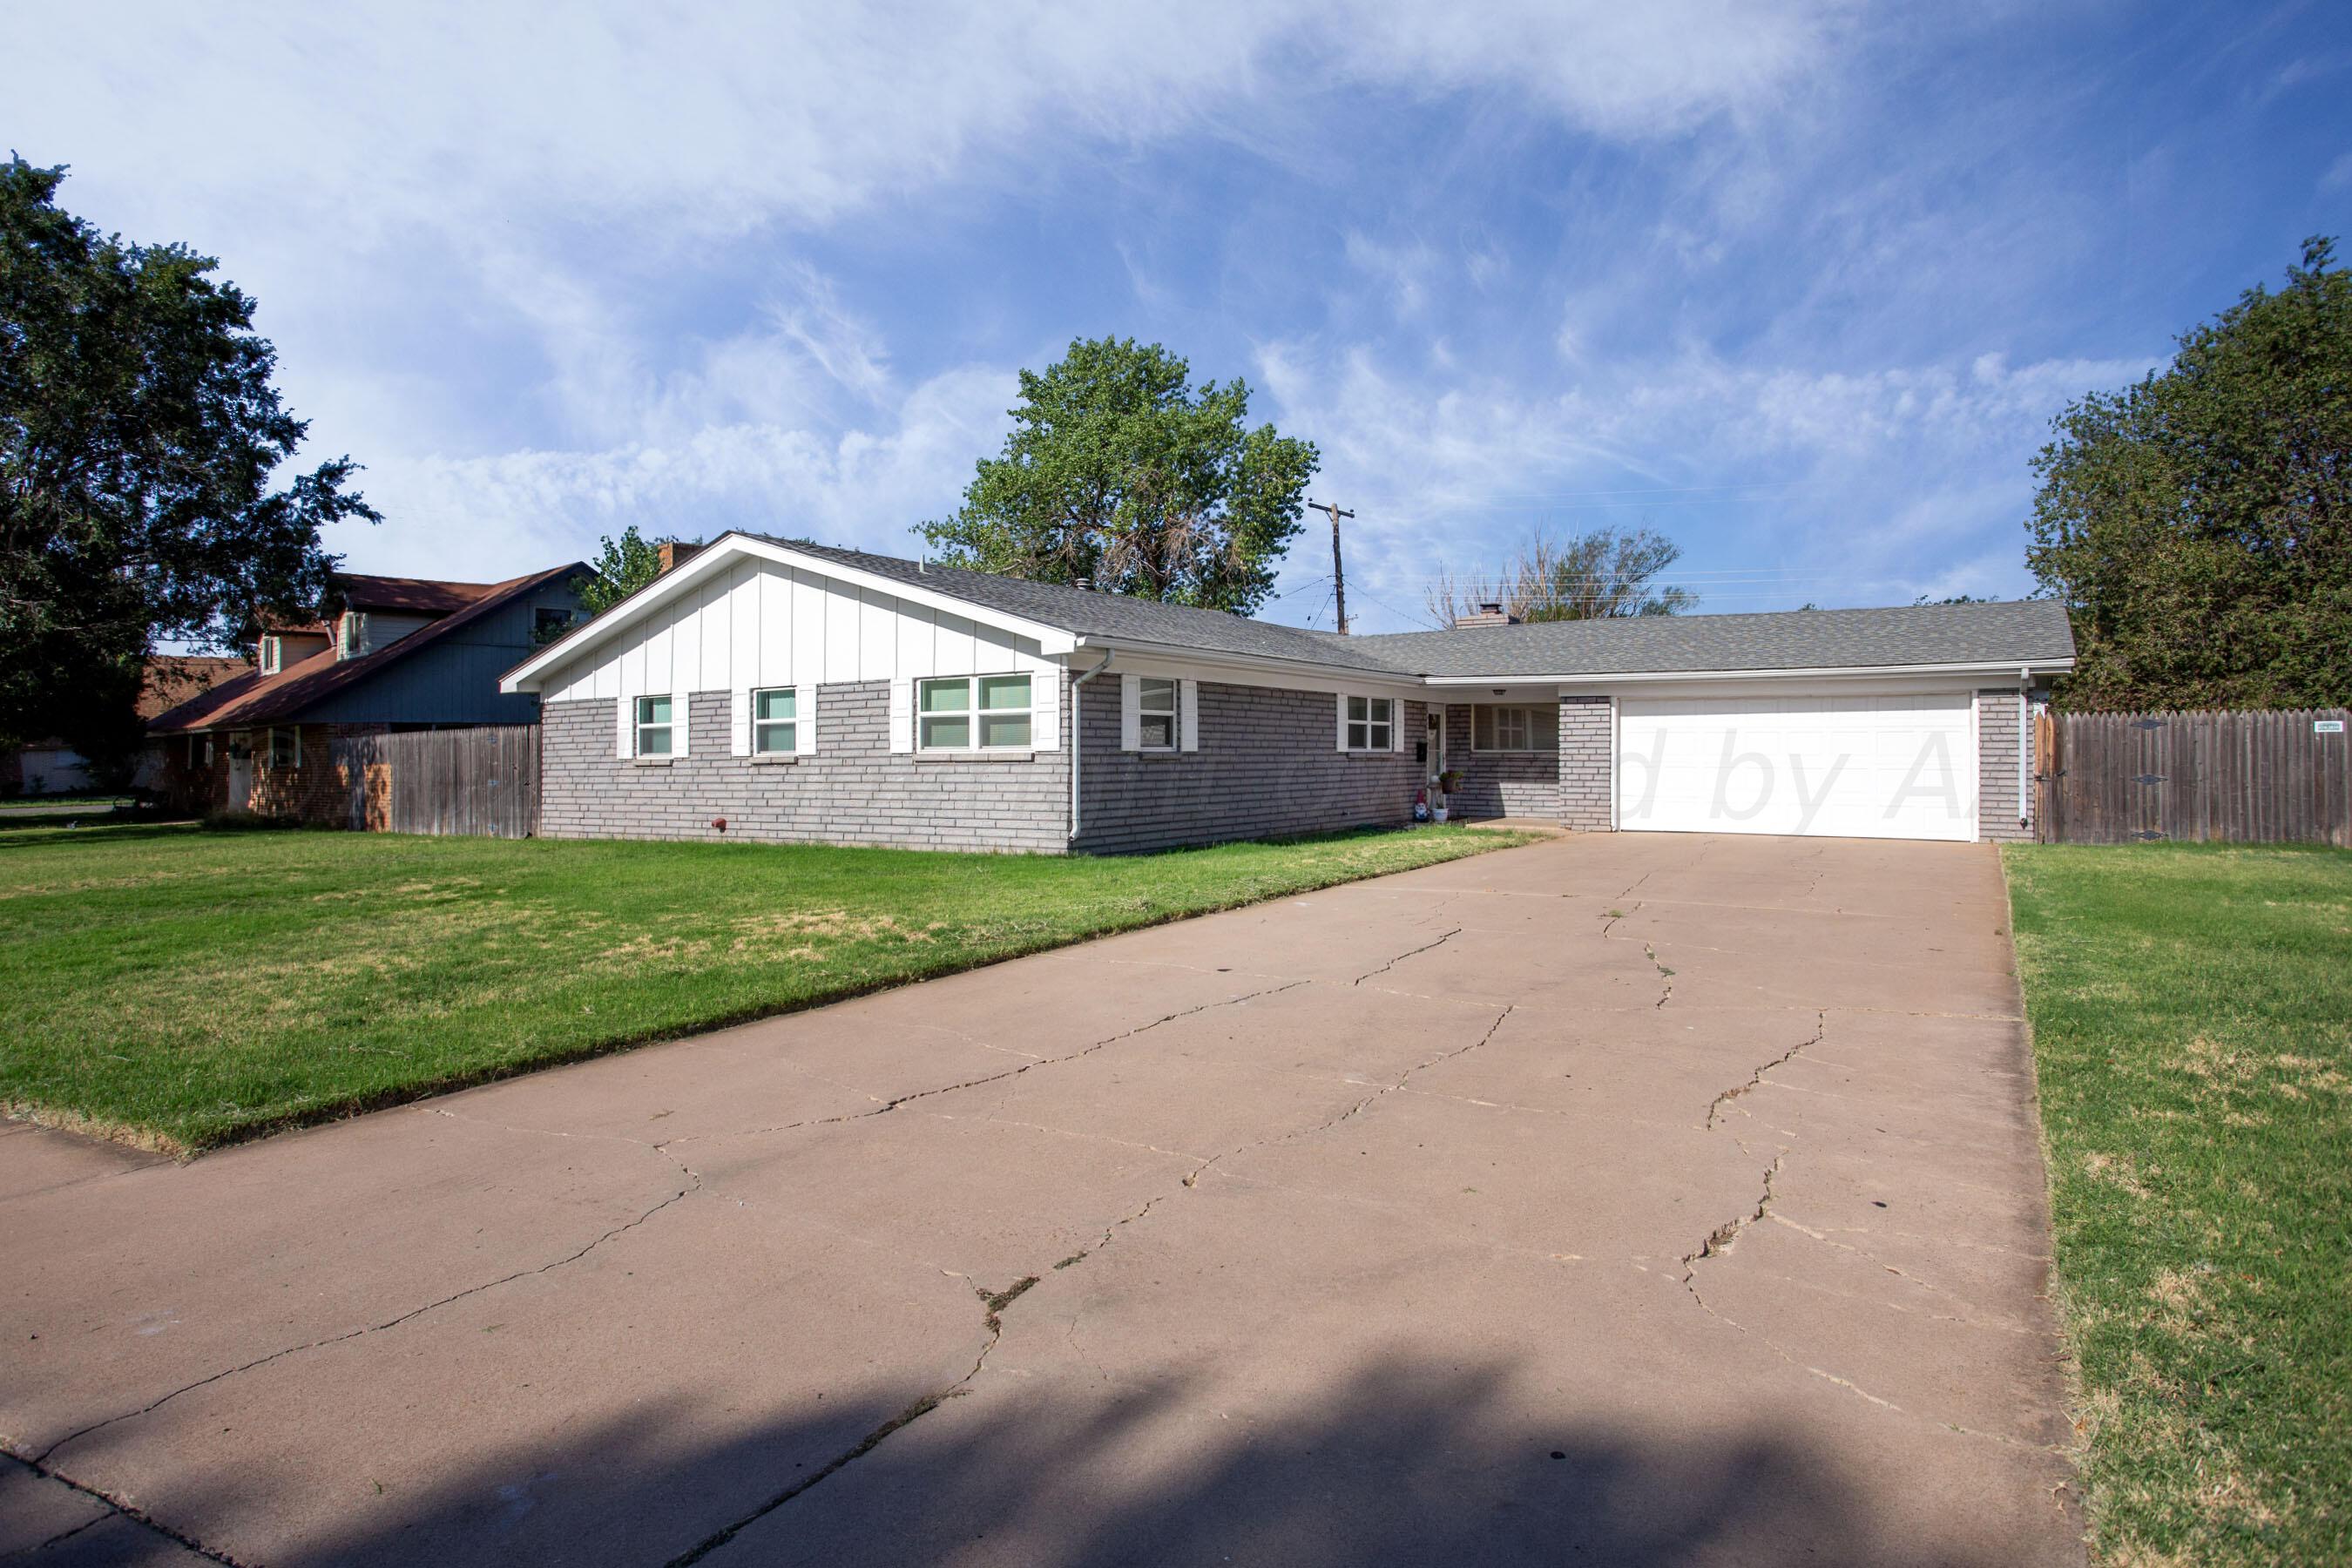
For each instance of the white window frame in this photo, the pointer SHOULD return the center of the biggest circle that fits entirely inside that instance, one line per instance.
(269, 746)
(1383, 726)
(1524, 711)
(971, 712)
(273, 655)
(792, 725)
(200, 749)
(349, 634)
(639, 724)
(1145, 712)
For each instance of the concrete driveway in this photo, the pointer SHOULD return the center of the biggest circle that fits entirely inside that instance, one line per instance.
(1619, 1199)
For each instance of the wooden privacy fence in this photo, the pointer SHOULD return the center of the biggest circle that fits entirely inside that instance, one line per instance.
(2236, 778)
(482, 781)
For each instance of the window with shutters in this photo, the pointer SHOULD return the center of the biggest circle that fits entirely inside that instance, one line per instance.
(974, 713)
(653, 726)
(775, 720)
(1156, 713)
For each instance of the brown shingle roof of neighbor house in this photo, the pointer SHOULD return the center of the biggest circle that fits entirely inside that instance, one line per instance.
(257, 699)
(174, 678)
(417, 595)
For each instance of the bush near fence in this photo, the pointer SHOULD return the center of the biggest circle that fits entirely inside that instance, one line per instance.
(2278, 777)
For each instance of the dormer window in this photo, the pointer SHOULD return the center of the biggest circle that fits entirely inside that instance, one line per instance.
(352, 622)
(271, 655)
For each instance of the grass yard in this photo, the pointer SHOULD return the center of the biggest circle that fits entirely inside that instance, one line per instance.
(2193, 1021)
(184, 988)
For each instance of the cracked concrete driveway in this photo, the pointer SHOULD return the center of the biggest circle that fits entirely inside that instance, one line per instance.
(1631, 1199)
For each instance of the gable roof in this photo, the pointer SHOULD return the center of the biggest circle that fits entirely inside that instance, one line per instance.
(1986, 637)
(256, 698)
(2024, 631)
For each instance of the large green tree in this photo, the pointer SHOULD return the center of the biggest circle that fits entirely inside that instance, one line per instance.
(1121, 472)
(2198, 525)
(623, 566)
(1601, 575)
(141, 442)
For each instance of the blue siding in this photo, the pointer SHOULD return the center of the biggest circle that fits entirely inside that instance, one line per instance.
(455, 678)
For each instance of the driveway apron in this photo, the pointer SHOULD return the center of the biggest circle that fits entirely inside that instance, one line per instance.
(1632, 1198)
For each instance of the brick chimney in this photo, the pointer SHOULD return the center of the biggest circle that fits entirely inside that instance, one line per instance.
(675, 552)
(1487, 615)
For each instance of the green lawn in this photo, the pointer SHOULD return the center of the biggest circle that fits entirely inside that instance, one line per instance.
(186, 988)
(2193, 1021)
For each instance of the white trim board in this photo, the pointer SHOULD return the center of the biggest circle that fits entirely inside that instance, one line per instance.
(530, 674)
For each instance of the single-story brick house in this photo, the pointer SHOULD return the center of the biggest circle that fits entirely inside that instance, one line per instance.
(385, 654)
(780, 690)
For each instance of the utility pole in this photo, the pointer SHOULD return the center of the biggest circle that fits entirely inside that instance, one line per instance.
(1339, 578)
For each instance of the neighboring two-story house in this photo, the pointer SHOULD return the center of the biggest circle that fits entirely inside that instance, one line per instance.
(386, 653)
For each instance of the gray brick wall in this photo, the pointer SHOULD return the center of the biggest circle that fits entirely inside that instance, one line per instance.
(1267, 766)
(853, 790)
(1998, 809)
(1498, 783)
(1588, 763)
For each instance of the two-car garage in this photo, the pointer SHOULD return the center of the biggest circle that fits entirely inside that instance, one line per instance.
(1876, 766)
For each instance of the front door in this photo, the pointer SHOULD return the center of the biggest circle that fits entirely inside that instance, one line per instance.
(240, 775)
(1436, 751)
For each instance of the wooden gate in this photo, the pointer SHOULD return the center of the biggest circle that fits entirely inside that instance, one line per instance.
(2225, 777)
(482, 781)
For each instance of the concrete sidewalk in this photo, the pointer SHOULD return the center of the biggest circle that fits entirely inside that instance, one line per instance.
(1648, 1198)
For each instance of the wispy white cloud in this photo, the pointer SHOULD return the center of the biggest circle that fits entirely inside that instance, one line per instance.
(1834, 486)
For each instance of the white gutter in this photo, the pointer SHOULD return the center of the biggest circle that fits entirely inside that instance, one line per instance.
(1617, 677)
(1076, 734)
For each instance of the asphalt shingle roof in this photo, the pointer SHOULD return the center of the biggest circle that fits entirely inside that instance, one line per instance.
(1089, 613)
(2018, 631)
(2028, 630)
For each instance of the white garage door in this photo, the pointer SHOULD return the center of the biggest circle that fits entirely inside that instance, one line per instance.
(1851, 767)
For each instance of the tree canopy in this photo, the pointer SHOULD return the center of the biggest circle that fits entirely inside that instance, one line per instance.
(1600, 575)
(1121, 472)
(2199, 523)
(623, 566)
(140, 441)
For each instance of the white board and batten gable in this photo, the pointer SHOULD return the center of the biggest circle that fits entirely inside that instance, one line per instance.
(746, 624)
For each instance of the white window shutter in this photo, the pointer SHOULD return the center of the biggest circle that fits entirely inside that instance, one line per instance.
(1396, 725)
(804, 720)
(1045, 709)
(1188, 715)
(1342, 705)
(681, 722)
(1130, 713)
(902, 715)
(626, 707)
(738, 720)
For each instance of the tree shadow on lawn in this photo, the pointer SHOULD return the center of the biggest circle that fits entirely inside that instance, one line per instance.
(1408, 1461)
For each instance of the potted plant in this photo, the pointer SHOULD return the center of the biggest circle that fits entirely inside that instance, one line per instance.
(1447, 783)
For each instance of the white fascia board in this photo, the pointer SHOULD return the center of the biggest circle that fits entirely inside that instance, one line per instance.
(1994, 673)
(728, 547)
(1252, 669)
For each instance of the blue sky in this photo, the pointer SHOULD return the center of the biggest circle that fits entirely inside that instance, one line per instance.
(1797, 284)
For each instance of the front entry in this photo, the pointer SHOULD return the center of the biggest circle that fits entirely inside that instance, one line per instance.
(240, 774)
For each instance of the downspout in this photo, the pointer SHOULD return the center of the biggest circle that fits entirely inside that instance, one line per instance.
(2024, 738)
(1076, 736)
